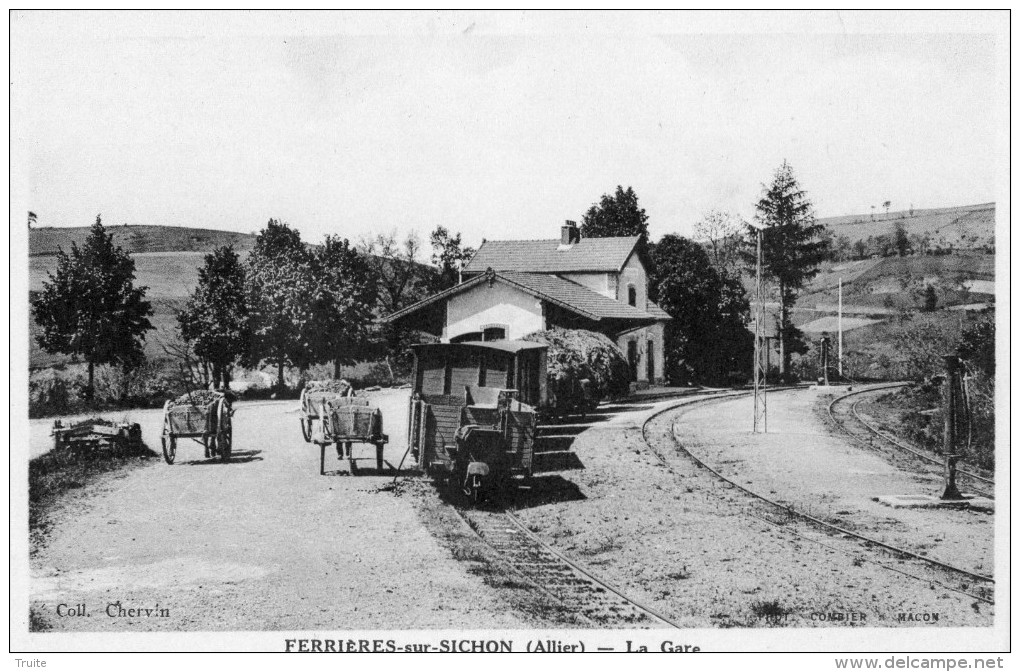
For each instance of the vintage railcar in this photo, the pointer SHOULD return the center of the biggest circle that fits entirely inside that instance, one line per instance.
(473, 412)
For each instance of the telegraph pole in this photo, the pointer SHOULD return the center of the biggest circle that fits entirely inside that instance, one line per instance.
(950, 443)
(760, 347)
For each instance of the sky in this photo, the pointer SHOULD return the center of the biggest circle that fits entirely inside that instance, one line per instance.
(494, 125)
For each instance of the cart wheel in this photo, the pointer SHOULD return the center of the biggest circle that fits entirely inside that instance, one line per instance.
(306, 429)
(169, 448)
(224, 433)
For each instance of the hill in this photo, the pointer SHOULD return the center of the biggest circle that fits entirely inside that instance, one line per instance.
(966, 227)
(140, 239)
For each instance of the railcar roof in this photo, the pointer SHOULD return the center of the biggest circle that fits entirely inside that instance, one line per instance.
(504, 346)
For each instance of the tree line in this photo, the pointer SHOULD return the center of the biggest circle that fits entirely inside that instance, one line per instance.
(290, 304)
(700, 283)
(287, 304)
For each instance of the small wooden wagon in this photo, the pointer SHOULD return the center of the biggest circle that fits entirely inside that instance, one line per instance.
(314, 393)
(345, 421)
(94, 434)
(206, 419)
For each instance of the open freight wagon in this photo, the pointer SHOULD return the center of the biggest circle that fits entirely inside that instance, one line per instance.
(473, 412)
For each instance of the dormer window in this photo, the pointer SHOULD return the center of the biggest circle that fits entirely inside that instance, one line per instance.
(632, 295)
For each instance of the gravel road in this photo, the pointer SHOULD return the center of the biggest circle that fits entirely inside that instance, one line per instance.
(261, 543)
(265, 543)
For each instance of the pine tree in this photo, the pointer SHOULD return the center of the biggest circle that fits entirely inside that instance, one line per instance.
(90, 307)
(617, 215)
(791, 251)
(215, 319)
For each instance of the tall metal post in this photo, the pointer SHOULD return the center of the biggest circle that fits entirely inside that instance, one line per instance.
(839, 359)
(950, 444)
(760, 348)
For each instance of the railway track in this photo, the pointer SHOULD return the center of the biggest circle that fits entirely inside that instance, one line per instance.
(565, 581)
(865, 432)
(836, 537)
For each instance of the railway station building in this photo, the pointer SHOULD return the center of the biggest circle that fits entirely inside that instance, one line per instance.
(512, 288)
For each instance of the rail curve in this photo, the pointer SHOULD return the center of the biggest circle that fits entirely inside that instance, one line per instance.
(949, 572)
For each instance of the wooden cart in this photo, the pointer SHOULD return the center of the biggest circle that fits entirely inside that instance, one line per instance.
(345, 421)
(94, 434)
(313, 395)
(206, 423)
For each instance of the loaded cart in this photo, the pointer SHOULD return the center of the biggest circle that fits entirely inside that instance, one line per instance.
(95, 434)
(203, 416)
(314, 394)
(345, 421)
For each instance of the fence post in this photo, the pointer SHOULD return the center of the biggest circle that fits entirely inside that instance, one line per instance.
(949, 435)
(825, 361)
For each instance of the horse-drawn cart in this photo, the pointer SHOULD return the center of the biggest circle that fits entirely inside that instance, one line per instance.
(203, 416)
(345, 421)
(313, 396)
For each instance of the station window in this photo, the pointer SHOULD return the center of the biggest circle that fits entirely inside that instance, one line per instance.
(632, 295)
(494, 333)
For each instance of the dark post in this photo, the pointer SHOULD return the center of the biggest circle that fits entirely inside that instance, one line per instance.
(825, 361)
(949, 438)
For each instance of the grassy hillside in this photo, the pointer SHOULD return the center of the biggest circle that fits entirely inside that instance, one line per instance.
(140, 238)
(170, 277)
(895, 283)
(166, 261)
(962, 227)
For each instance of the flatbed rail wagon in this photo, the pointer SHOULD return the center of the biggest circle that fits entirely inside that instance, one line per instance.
(473, 413)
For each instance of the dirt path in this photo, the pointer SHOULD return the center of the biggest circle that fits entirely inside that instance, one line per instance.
(261, 543)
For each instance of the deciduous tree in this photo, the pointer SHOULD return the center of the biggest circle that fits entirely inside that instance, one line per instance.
(215, 321)
(280, 292)
(345, 298)
(448, 253)
(617, 215)
(707, 338)
(722, 232)
(900, 238)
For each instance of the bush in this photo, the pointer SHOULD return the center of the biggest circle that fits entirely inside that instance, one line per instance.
(51, 395)
(576, 354)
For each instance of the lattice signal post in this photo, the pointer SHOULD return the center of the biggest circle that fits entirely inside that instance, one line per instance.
(761, 421)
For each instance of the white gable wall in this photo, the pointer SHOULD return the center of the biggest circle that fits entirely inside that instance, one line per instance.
(597, 282)
(633, 273)
(498, 304)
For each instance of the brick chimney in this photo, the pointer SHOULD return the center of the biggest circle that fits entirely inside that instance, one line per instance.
(570, 234)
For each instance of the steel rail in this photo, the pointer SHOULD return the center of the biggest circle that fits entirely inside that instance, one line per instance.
(890, 439)
(812, 519)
